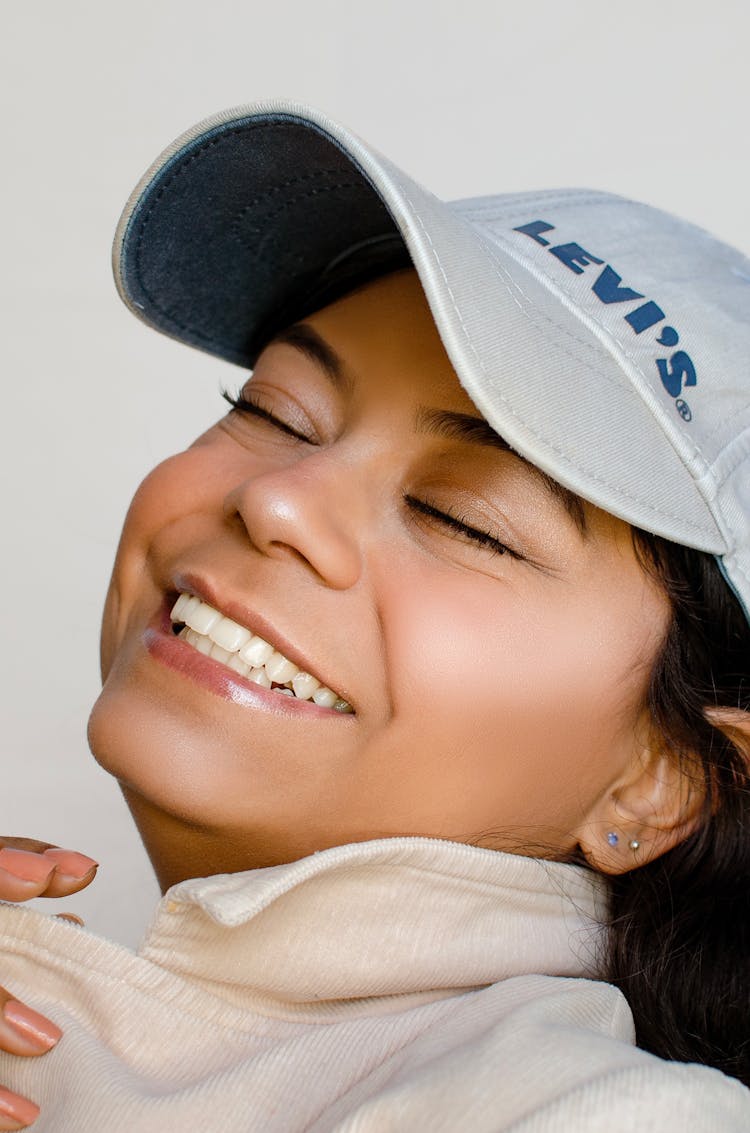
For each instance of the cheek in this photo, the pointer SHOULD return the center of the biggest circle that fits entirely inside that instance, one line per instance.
(521, 688)
(175, 489)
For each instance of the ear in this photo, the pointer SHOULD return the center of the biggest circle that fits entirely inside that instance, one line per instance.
(653, 805)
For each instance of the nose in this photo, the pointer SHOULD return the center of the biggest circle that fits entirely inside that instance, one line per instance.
(312, 510)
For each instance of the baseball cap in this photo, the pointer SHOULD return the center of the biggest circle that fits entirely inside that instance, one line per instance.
(607, 341)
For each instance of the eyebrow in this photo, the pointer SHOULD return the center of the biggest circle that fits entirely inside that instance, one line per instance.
(475, 430)
(308, 341)
(463, 427)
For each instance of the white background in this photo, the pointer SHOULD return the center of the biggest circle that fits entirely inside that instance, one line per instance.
(648, 99)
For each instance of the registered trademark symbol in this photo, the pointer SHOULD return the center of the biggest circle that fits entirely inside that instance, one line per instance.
(683, 409)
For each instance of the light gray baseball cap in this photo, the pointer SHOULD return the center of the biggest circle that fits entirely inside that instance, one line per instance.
(607, 341)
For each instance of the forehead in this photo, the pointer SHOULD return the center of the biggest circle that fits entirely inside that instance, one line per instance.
(385, 330)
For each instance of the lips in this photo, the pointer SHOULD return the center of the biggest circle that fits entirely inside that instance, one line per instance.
(246, 653)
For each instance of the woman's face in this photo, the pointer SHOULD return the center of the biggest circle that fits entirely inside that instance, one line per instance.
(495, 654)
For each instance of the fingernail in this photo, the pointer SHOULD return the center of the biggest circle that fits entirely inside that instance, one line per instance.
(71, 862)
(24, 865)
(33, 1026)
(20, 1109)
(72, 917)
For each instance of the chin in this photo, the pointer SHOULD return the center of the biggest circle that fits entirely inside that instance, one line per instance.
(135, 741)
(191, 765)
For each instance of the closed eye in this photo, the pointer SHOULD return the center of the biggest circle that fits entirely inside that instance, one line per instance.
(455, 523)
(244, 405)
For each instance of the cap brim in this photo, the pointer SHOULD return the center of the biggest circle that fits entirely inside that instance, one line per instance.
(249, 208)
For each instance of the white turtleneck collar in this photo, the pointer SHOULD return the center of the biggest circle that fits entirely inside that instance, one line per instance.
(393, 917)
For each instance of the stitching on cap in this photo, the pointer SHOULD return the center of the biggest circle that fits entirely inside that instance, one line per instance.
(563, 198)
(199, 335)
(619, 342)
(182, 168)
(598, 479)
(734, 417)
(302, 197)
(738, 567)
(626, 350)
(744, 454)
(565, 331)
(731, 414)
(285, 185)
(470, 344)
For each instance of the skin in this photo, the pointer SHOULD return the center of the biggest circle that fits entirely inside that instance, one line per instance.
(498, 697)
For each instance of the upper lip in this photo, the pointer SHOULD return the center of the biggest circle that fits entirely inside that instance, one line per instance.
(251, 620)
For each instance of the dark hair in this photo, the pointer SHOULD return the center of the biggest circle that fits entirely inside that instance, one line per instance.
(679, 941)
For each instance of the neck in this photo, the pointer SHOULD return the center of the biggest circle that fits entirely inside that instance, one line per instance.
(180, 849)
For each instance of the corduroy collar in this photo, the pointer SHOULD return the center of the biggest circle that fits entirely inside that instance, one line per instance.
(373, 920)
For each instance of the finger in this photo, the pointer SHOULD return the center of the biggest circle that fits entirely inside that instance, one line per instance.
(28, 1033)
(33, 845)
(71, 862)
(73, 872)
(24, 1031)
(23, 874)
(16, 1112)
(51, 873)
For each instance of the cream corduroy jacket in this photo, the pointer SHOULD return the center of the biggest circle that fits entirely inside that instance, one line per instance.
(405, 985)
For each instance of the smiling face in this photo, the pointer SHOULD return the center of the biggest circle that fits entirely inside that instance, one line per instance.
(493, 639)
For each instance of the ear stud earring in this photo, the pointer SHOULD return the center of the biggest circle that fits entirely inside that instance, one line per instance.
(614, 840)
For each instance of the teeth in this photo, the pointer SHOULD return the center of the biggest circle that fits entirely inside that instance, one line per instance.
(279, 669)
(256, 652)
(228, 634)
(260, 677)
(180, 607)
(202, 644)
(193, 604)
(202, 619)
(245, 653)
(324, 697)
(304, 685)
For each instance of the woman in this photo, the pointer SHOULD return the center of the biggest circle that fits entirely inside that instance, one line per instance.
(425, 670)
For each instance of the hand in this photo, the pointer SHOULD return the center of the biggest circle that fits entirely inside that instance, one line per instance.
(32, 869)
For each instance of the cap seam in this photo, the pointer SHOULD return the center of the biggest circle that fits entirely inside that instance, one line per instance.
(183, 163)
(700, 449)
(632, 360)
(718, 425)
(667, 514)
(216, 345)
(284, 185)
(596, 199)
(559, 198)
(301, 197)
(593, 476)
(722, 422)
(742, 441)
(637, 366)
